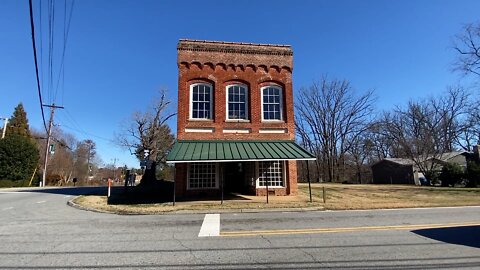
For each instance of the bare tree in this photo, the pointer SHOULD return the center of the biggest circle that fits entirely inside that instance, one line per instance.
(467, 44)
(425, 129)
(91, 153)
(62, 161)
(362, 154)
(330, 117)
(468, 134)
(82, 154)
(453, 109)
(382, 144)
(147, 135)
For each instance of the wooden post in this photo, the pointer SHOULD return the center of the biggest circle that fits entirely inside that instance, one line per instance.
(324, 195)
(266, 183)
(174, 181)
(33, 174)
(109, 187)
(221, 187)
(309, 183)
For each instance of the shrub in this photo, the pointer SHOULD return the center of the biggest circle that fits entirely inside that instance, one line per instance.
(473, 174)
(451, 174)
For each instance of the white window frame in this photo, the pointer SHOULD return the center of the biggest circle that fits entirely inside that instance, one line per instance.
(228, 119)
(217, 175)
(257, 175)
(281, 103)
(191, 102)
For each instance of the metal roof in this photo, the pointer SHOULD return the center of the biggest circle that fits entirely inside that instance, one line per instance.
(399, 161)
(225, 151)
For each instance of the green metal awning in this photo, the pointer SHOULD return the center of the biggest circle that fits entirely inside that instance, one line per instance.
(224, 151)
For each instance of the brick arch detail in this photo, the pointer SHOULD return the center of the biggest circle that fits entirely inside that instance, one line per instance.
(200, 80)
(268, 82)
(235, 67)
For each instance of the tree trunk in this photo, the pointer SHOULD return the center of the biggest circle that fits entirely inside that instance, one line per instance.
(149, 178)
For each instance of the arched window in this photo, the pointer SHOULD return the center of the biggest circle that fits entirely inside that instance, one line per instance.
(201, 101)
(272, 103)
(237, 102)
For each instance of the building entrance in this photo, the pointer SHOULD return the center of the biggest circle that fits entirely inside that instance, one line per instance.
(234, 177)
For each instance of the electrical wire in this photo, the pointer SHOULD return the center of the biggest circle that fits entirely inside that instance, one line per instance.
(32, 26)
(51, 32)
(41, 47)
(66, 30)
(90, 134)
(78, 128)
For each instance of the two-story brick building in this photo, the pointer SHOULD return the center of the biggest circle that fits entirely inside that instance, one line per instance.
(235, 127)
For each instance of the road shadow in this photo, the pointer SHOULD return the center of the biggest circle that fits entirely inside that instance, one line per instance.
(74, 191)
(464, 235)
(161, 192)
(157, 193)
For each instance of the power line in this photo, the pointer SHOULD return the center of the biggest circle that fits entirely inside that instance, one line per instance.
(66, 30)
(32, 26)
(90, 134)
(72, 120)
(81, 130)
(41, 47)
(51, 33)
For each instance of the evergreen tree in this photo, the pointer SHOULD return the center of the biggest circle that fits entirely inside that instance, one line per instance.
(18, 157)
(18, 123)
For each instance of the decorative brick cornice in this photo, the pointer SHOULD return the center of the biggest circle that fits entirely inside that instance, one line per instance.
(238, 54)
(233, 47)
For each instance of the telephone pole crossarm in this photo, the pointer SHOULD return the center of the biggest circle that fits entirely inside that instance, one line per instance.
(53, 106)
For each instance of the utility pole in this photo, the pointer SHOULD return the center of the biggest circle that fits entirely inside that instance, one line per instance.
(4, 126)
(114, 167)
(89, 143)
(49, 133)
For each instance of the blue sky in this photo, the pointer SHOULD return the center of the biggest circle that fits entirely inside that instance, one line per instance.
(120, 53)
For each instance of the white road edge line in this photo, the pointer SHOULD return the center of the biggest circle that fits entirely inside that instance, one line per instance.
(8, 208)
(210, 226)
(67, 196)
(17, 192)
(41, 201)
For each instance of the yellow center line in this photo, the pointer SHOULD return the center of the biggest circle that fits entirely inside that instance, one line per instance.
(349, 229)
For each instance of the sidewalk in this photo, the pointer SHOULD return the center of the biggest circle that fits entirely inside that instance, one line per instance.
(239, 204)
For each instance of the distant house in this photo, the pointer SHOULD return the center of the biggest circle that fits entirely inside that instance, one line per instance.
(457, 157)
(404, 171)
(394, 171)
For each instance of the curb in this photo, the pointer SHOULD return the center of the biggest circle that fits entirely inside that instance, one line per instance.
(210, 211)
(250, 210)
(247, 210)
(84, 208)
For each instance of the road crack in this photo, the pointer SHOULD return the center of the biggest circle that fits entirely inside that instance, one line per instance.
(309, 255)
(266, 239)
(190, 250)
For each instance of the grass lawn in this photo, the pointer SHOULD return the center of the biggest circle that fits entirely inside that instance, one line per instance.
(100, 203)
(339, 196)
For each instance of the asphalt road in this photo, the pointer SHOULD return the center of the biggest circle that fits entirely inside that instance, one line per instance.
(39, 231)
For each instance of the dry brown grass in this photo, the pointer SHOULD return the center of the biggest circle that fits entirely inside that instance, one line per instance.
(248, 203)
(339, 197)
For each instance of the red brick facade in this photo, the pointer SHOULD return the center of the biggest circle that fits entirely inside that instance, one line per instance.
(221, 64)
